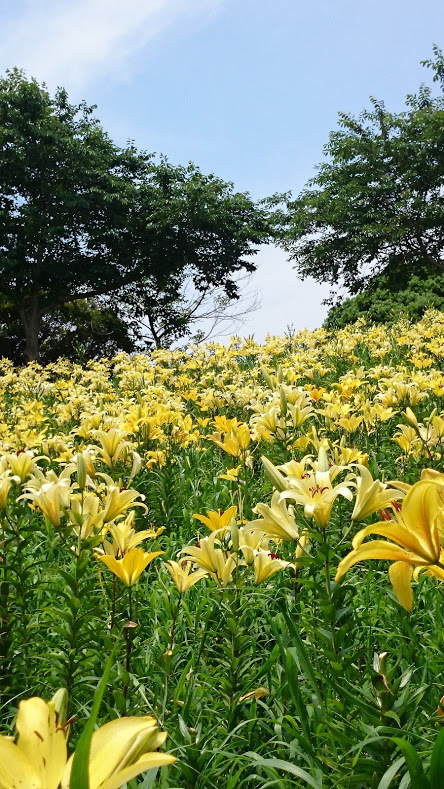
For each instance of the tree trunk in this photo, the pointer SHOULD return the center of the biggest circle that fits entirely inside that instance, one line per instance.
(30, 318)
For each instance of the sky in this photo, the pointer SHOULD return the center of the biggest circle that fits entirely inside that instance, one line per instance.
(246, 89)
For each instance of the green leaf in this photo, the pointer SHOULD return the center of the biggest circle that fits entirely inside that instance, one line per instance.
(418, 778)
(287, 767)
(80, 764)
(437, 763)
(389, 774)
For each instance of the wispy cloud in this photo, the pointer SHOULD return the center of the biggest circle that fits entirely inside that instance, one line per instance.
(72, 42)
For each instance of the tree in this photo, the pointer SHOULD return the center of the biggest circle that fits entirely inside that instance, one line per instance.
(82, 219)
(387, 298)
(377, 204)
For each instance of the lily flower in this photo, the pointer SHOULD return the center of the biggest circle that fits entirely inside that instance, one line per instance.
(52, 498)
(413, 540)
(5, 486)
(217, 563)
(266, 565)
(315, 491)
(120, 750)
(182, 578)
(215, 521)
(277, 521)
(119, 500)
(131, 566)
(113, 445)
(372, 495)
(125, 537)
(250, 540)
(21, 463)
(85, 515)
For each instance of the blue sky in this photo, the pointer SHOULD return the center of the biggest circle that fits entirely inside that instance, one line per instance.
(247, 89)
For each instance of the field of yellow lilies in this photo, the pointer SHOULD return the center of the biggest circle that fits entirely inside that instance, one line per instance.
(222, 567)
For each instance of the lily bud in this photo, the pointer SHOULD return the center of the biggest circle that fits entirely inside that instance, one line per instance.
(283, 399)
(60, 701)
(234, 531)
(267, 377)
(81, 471)
(276, 478)
(411, 419)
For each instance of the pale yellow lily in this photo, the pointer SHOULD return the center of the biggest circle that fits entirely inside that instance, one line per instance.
(315, 491)
(125, 537)
(131, 566)
(113, 445)
(277, 520)
(52, 498)
(21, 463)
(372, 495)
(250, 540)
(414, 541)
(5, 486)
(85, 515)
(120, 750)
(182, 577)
(119, 500)
(266, 565)
(215, 561)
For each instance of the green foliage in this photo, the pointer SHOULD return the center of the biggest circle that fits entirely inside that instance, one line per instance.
(377, 204)
(387, 298)
(81, 218)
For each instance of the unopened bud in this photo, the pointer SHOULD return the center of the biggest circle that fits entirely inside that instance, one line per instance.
(234, 535)
(276, 478)
(81, 471)
(60, 701)
(283, 399)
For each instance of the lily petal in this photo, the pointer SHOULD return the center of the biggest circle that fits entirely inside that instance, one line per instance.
(401, 576)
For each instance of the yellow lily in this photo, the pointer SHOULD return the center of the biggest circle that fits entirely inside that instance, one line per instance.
(85, 515)
(277, 521)
(5, 486)
(131, 566)
(372, 495)
(250, 540)
(236, 443)
(52, 498)
(21, 463)
(120, 750)
(182, 578)
(315, 492)
(218, 564)
(266, 565)
(119, 500)
(217, 520)
(113, 445)
(414, 541)
(125, 537)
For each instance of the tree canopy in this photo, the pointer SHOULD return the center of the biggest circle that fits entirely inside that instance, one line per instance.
(83, 220)
(377, 203)
(388, 297)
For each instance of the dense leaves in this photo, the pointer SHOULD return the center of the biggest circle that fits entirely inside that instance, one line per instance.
(377, 204)
(81, 218)
(282, 662)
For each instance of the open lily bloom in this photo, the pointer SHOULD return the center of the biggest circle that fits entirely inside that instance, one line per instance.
(412, 540)
(372, 495)
(120, 750)
(276, 521)
(209, 555)
(130, 566)
(217, 521)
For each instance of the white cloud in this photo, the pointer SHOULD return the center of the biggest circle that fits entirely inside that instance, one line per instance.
(71, 42)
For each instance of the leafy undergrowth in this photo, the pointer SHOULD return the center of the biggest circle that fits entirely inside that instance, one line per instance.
(264, 635)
